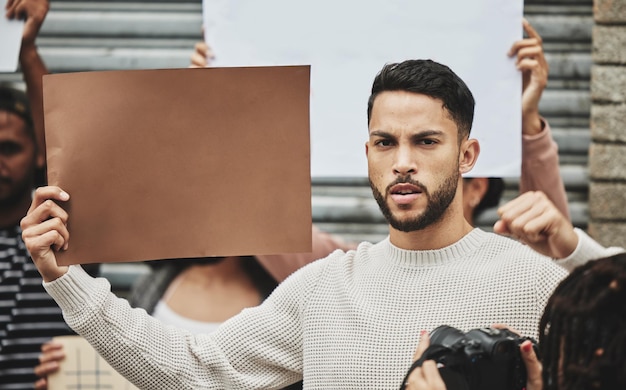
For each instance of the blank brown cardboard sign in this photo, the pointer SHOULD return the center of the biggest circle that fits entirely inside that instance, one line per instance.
(180, 163)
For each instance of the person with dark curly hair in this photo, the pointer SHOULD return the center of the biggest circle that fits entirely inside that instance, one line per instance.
(582, 334)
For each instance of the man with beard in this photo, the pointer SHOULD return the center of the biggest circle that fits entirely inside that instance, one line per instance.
(353, 319)
(28, 315)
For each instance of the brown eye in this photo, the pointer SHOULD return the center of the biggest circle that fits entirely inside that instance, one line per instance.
(383, 142)
(9, 148)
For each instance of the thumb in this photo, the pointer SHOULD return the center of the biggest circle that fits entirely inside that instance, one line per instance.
(500, 228)
(423, 345)
(533, 366)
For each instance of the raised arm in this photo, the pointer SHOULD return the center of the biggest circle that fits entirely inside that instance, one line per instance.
(540, 159)
(236, 355)
(31, 64)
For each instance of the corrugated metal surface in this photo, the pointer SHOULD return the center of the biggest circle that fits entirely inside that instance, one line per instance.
(100, 35)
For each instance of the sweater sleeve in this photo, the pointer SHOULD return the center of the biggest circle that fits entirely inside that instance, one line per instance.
(282, 265)
(540, 168)
(259, 348)
(586, 250)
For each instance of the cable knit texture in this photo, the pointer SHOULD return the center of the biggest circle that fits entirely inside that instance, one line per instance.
(349, 321)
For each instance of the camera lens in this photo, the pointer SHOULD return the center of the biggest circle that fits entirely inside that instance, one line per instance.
(446, 336)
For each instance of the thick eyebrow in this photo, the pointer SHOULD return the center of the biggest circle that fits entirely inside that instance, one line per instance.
(381, 133)
(427, 133)
(419, 135)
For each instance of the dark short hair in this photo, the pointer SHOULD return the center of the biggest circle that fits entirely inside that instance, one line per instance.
(16, 102)
(431, 79)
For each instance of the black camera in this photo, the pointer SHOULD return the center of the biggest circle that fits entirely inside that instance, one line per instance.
(483, 358)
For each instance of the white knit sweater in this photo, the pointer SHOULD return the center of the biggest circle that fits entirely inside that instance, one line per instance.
(349, 321)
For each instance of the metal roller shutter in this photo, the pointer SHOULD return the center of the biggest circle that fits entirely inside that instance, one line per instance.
(104, 35)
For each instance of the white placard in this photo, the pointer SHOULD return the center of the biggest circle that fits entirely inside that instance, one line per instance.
(348, 41)
(10, 40)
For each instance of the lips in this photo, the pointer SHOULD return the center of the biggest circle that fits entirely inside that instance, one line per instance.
(404, 193)
(405, 189)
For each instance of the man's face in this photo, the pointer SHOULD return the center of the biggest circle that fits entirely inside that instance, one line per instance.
(17, 160)
(413, 159)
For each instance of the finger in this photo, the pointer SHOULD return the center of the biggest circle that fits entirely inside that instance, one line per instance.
(533, 366)
(528, 207)
(525, 200)
(499, 325)
(509, 210)
(538, 228)
(423, 344)
(501, 228)
(531, 65)
(49, 192)
(201, 55)
(521, 44)
(201, 47)
(47, 368)
(198, 61)
(416, 380)
(205, 51)
(51, 233)
(520, 223)
(41, 384)
(45, 211)
(537, 66)
(530, 30)
(51, 345)
(432, 376)
(54, 355)
(10, 9)
(48, 216)
(20, 10)
(529, 51)
(531, 55)
(42, 208)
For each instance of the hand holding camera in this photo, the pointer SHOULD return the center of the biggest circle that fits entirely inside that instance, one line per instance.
(483, 358)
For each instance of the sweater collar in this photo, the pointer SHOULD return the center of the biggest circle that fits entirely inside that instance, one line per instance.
(411, 258)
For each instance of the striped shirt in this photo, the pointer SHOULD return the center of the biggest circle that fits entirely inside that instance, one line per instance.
(28, 315)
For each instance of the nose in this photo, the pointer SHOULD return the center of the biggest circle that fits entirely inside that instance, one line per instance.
(404, 163)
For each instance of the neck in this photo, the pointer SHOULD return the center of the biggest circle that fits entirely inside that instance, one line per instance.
(11, 215)
(227, 270)
(213, 292)
(448, 230)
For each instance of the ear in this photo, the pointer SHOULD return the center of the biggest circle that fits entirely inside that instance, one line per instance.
(367, 148)
(468, 154)
(476, 190)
